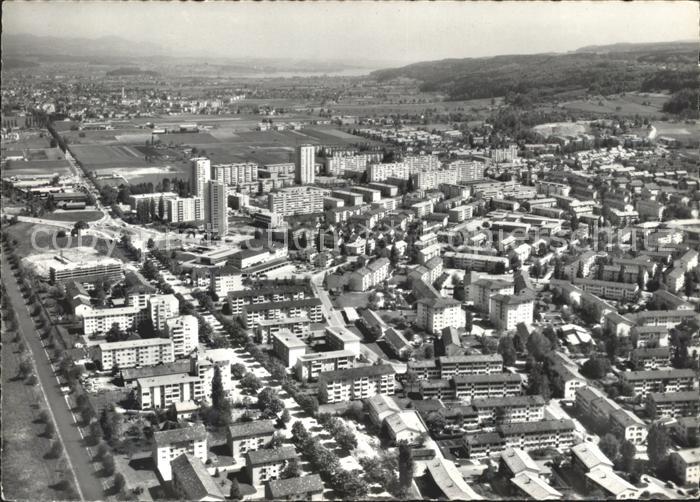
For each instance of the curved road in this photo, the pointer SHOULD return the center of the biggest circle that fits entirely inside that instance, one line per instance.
(88, 484)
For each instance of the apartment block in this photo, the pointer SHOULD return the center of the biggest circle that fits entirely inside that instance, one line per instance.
(310, 366)
(249, 436)
(267, 465)
(673, 404)
(135, 353)
(435, 314)
(159, 392)
(170, 444)
(357, 383)
(644, 382)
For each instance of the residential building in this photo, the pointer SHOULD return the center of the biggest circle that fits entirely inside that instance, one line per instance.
(63, 269)
(506, 311)
(557, 434)
(686, 465)
(497, 410)
(135, 353)
(297, 200)
(191, 480)
(370, 275)
(475, 364)
(645, 358)
(477, 262)
(608, 289)
(341, 338)
(287, 347)
(307, 487)
(672, 380)
(405, 425)
(170, 444)
(266, 465)
(185, 209)
(673, 404)
(101, 320)
(564, 375)
(470, 387)
(243, 437)
(309, 308)
(305, 164)
(310, 366)
(162, 308)
(201, 175)
(435, 314)
(161, 391)
(356, 383)
(216, 219)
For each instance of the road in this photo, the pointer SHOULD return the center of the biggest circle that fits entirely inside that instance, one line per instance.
(88, 484)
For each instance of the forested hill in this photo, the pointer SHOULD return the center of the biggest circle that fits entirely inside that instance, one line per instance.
(596, 69)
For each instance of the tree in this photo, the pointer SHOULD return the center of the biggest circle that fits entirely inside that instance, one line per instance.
(235, 493)
(217, 390)
(250, 383)
(299, 433)
(507, 350)
(108, 464)
(238, 370)
(79, 226)
(346, 439)
(658, 443)
(119, 482)
(56, 449)
(469, 322)
(627, 454)
(538, 345)
(291, 470)
(596, 367)
(436, 422)
(610, 446)
(406, 466)
(538, 383)
(349, 485)
(49, 430)
(285, 418)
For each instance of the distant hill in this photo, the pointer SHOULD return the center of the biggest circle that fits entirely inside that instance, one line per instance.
(32, 45)
(125, 71)
(596, 69)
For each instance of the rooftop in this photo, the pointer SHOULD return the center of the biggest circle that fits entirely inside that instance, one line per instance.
(259, 457)
(193, 433)
(295, 487)
(248, 429)
(194, 479)
(590, 455)
(359, 372)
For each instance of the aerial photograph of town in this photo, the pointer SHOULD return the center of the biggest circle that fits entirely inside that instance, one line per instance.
(343, 251)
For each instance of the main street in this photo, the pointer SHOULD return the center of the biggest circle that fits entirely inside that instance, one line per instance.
(88, 484)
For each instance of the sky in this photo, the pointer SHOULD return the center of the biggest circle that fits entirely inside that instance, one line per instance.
(361, 30)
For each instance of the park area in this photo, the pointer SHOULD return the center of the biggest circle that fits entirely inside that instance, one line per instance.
(645, 104)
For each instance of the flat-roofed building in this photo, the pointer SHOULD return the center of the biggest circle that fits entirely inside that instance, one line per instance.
(435, 314)
(564, 375)
(135, 353)
(477, 262)
(63, 269)
(159, 392)
(183, 331)
(299, 326)
(266, 465)
(341, 338)
(608, 289)
(287, 347)
(310, 366)
(249, 436)
(170, 444)
(204, 364)
(101, 320)
(357, 383)
(297, 200)
(162, 308)
(507, 311)
(476, 364)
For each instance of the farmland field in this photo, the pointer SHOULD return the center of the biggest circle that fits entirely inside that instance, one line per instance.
(38, 167)
(91, 155)
(628, 104)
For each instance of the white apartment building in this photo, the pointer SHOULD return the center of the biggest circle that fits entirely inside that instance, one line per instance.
(135, 353)
(217, 205)
(297, 200)
(357, 383)
(506, 311)
(608, 289)
(183, 331)
(102, 320)
(235, 174)
(162, 308)
(223, 282)
(476, 262)
(305, 165)
(310, 366)
(203, 366)
(468, 170)
(185, 209)
(434, 314)
(380, 172)
(370, 275)
(427, 180)
(170, 444)
(201, 174)
(162, 391)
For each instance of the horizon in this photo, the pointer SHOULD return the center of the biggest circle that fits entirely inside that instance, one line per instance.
(320, 31)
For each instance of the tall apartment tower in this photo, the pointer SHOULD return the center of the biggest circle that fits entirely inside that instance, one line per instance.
(217, 202)
(201, 174)
(305, 165)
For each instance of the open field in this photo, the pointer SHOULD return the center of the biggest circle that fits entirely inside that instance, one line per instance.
(33, 139)
(560, 128)
(27, 475)
(36, 167)
(93, 155)
(74, 216)
(628, 104)
(430, 102)
(678, 130)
